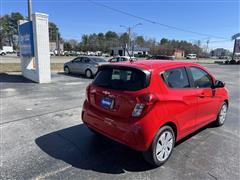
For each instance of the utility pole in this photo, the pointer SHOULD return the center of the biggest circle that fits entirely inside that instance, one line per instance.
(129, 37)
(129, 29)
(207, 45)
(58, 43)
(30, 10)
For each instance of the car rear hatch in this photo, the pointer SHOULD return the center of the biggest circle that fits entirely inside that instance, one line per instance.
(115, 89)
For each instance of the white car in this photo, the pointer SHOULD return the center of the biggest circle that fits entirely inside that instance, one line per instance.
(191, 56)
(3, 52)
(8, 49)
(121, 58)
(52, 53)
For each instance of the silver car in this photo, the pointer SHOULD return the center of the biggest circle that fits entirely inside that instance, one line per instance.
(84, 65)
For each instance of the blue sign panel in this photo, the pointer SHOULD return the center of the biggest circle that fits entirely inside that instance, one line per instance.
(26, 39)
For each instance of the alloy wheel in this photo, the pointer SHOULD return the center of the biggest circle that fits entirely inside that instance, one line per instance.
(164, 146)
(223, 113)
(88, 73)
(66, 70)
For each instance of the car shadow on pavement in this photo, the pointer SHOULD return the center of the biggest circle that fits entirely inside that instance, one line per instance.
(82, 149)
(13, 78)
(208, 126)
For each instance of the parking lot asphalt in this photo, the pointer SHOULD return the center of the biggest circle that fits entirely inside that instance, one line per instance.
(42, 137)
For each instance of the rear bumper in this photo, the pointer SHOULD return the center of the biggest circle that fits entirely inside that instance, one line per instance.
(128, 133)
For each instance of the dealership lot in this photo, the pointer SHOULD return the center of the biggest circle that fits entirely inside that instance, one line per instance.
(42, 136)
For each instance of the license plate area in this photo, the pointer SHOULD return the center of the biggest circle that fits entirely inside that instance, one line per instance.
(107, 103)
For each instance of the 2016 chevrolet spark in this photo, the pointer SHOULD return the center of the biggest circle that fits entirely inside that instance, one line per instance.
(149, 105)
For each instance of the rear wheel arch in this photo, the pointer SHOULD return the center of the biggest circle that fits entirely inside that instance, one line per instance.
(226, 101)
(173, 126)
(151, 154)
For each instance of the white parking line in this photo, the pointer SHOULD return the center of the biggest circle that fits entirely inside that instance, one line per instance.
(73, 83)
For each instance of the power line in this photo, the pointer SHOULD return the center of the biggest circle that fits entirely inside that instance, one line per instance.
(220, 41)
(155, 22)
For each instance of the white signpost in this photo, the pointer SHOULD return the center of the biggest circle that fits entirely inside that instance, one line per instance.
(34, 48)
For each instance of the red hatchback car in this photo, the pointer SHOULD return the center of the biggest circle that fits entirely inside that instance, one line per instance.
(148, 105)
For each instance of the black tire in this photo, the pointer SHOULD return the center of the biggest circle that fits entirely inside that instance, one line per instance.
(88, 73)
(226, 62)
(219, 121)
(66, 70)
(151, 155)
(232, 61)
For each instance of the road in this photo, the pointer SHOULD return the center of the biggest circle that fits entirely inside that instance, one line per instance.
(42, 137)
(12, 58)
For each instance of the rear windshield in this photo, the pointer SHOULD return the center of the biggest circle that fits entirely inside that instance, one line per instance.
(123, 78)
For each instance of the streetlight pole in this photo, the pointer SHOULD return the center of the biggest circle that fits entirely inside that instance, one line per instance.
(30, 10)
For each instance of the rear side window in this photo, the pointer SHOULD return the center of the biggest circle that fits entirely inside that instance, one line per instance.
(85, 60)
(176, 78)
(98, 60)
(201, 78)
(126, 79)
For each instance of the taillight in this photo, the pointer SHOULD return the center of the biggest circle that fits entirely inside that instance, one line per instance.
(144, 104)
(137, 111)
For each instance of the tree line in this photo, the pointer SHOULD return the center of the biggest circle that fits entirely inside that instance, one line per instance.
(105, 41)
(9, 30)
(96, 41)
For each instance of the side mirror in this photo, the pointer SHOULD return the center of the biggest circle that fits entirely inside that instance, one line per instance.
(219, 84)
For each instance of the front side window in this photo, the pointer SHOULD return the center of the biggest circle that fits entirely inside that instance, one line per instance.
(201, 78)
(124, 59)
(176, 78)
(77, 60)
